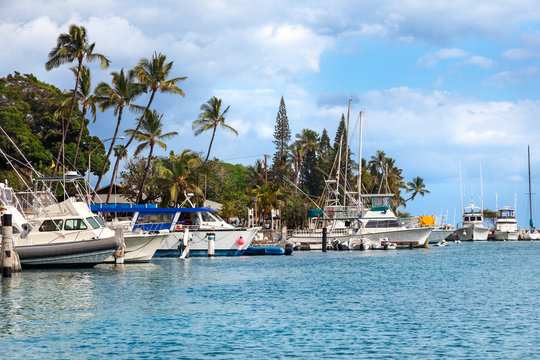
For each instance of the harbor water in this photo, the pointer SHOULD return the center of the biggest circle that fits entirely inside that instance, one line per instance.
(463, 301)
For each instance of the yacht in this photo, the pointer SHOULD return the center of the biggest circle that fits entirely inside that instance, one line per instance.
(186, 227)
(472, 228)
(506, 228)
(62, 234)
(378, 222)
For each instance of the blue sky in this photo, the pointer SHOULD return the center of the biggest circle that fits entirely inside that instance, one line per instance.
(439, 82)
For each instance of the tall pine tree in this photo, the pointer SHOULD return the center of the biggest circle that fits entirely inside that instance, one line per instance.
(282, 136)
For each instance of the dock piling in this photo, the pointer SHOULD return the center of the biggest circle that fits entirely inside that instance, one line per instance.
(211, 244)
(7, 246)
(324, 239)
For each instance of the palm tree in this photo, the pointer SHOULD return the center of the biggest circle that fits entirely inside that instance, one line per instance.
(119, 153)
(211, 117)
(256, 173)
(87, 100)
(417, 187)
(150, 134)
(154, 75)
(121, 94)
(178, 173)
(267, 195)
(309, 141)
(297, 154)
(72, 46)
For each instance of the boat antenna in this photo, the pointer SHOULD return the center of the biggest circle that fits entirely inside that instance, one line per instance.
(460, 188)
(481, 191)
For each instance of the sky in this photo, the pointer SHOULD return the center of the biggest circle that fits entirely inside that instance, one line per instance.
(442, 85)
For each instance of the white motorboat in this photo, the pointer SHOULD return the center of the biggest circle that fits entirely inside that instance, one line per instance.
(379, 221)
(506, 228)
(64, 234)
(383, 244)
(140, 246)
(472, 228)
(196, 224)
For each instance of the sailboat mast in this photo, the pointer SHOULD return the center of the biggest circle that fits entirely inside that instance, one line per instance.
(346, 155)
(530, 192)
(481, 191)
(360, 161)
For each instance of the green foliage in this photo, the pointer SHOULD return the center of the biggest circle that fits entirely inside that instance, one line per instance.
(226, 182)
(27, 108)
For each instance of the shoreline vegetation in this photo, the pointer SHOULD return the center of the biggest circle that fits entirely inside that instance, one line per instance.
(51, 129)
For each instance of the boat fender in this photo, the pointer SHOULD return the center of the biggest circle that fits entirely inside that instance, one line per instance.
(240, 241)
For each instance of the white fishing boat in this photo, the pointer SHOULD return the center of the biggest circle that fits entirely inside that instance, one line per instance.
(63, 234)
(185, 227)
(506, 228)
(472, 227)
(440, 230)
(379, 221)
(383, 244)
(140, 245)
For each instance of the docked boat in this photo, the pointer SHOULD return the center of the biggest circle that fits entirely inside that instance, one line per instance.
(383, 244)
(472, 228)
(139, 245)
(440, 230)
(379, 222)
(63, 234)
(191, 227)
(531, 233)
(506, 228)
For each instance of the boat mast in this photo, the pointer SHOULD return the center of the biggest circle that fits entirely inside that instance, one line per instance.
(346, 155)
(360, 162)
(530, 192)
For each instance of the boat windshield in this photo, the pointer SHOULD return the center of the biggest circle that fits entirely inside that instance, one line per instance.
(93, 223)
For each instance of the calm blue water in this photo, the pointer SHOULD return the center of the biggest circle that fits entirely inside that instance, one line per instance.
(468, 301)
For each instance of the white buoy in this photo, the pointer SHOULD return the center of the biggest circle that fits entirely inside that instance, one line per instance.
(211, 244)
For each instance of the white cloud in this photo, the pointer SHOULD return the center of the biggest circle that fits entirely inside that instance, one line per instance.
(481, 61)
(431, 59)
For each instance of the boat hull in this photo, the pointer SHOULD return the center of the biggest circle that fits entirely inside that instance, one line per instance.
(140, 248)
(438, 235)
(227, 242)
(403, 238)
(505, 235)
(473, 233)
(83, 253)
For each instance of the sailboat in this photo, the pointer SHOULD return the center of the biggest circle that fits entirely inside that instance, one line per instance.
(531, 234)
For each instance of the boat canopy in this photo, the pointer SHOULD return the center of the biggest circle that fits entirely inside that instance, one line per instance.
(144, 209)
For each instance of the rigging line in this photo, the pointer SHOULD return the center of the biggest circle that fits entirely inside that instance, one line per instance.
(28, 163)
(244, 157)
(303, 193)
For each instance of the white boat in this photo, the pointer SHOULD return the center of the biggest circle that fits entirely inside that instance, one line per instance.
(64, 234)
(383, 244)
(199, 223)
(140, 246)
(506, 228)
(379, 221)
(472, 228)
(532, 233)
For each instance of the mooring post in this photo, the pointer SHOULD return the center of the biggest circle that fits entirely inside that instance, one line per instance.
(324, 239)
(7, 245)
(211, 244)
(120, 254)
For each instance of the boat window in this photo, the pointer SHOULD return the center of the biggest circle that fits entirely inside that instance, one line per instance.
(75, 224)
(207, 217)
(154, 218)
(100, 222)
(467, 218)
(93, 223)
(51, 225)
(382, 223)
